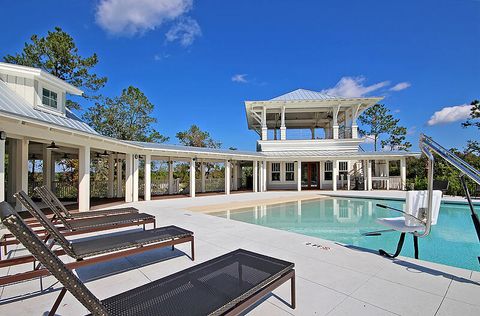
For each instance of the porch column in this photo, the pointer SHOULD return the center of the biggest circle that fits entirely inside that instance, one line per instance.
(354, 130)
(260, 176)
(235, 176)
(299, 175)
(128, 178)
(227, 177)
(369, 175)
(255, 176)
(21, 172)
(387, 173)
(202, 172)
(2, 170)
(264, 124)
(335, 175)
(119, 177)
(403, 173)
(84, 178)
(11, 149)
(111, 176)
(264, 177)
(283, 128)
(135, 183)
(192, 177)
(47, 167)
(148, 178)
(336, 109)
(170, 176)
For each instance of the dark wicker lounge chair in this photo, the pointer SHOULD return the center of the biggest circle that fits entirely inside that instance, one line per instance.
(80, 225)
(54, 203)
(226, 285)
(98, 248)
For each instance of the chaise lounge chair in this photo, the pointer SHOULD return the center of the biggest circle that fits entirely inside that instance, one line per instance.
(98, 248)
(81, 225)
(226, 285)
(49, 198)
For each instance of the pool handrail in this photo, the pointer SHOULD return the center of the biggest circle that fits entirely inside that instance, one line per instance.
(428, 145)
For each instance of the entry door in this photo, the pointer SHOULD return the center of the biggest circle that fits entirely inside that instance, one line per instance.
(310, 175)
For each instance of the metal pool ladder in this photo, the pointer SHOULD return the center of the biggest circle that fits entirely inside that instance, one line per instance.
(428, 147)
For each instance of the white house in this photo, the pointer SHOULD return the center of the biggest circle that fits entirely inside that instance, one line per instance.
(36, 125)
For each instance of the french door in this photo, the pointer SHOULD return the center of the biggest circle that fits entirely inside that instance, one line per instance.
(310, 175)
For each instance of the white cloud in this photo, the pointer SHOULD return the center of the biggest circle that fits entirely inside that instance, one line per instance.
(241, 78)
(450, 114)
(396, 111)
(400, 86)
(185, 31)
(129, 17)
(351, 87)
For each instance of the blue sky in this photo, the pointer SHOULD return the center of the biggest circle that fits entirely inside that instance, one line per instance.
(197, 61)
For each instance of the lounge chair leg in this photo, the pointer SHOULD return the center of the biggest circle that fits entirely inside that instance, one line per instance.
(57, 302)
(399, 248)
(292, 293)
(415, 246)
(193, 250)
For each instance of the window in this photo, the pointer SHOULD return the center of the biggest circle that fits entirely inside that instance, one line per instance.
(49, 98)
(275, 171)
(343, 169)
(290, 171)
(328, 174)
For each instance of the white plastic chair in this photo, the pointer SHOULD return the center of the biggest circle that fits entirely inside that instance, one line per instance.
(414, 219)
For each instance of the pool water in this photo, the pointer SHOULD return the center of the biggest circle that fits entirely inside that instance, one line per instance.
(452, 241)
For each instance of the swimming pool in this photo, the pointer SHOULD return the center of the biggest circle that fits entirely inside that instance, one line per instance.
(452, 241)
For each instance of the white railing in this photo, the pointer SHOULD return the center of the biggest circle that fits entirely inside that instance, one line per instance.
(395, 183)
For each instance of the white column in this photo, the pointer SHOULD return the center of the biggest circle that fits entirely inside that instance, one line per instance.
(255, 176)
(299, 175)
(264, 124)
(84, 178)
(260, 176)
(283, 128)
(148, 178)
(227, 176)
(135, 183)
(170, 176)
(192, 177)
(369, 175)
(119, 177)
(2, 170)
(111, 176)
(335, 123)
(335, 175)
(235, 176)
(202, 172)
(11, 186)
(47, 167)
(403, 173)
(21, 172)
(354, 131)
(387, 173)
(264, 176)
(128, 178)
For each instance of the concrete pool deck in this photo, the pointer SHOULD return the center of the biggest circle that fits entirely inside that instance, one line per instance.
(333, 279)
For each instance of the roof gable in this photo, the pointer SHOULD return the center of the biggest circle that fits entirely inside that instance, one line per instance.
(11, 103)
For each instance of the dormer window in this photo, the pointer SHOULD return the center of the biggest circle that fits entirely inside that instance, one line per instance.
(49, 98)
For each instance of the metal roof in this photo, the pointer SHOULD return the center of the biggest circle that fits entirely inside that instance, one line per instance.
(191, 149)
(12, 103)
(303, 94)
